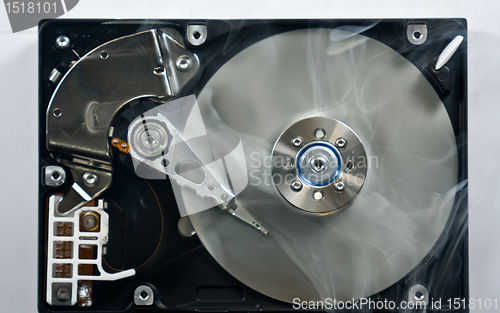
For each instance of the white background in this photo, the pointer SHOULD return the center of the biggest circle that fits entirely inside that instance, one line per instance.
(18, 120)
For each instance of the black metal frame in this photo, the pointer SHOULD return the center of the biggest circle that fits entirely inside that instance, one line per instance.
(180, 265)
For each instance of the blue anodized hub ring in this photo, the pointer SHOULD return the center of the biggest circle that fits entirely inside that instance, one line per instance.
(318, 163)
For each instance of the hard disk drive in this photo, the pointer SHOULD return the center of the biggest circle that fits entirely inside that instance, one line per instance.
(253, 165)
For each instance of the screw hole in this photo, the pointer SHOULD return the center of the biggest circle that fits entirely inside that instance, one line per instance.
(318, 195)
(419, 295)
(319, 133)
(144, 295)
(196, 35)
(417, 34)
(104, 55)
(56, 176)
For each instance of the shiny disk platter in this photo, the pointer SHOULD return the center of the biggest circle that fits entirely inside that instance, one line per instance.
(253, 165)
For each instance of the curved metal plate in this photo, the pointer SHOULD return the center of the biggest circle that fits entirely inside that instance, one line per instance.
(96, 87)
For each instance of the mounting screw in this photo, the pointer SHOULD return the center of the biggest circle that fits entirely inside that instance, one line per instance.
(183, 63)
(297, 141)
(158, 70)
(90, 179)
(90, 221)
(340, 186)
(124, 146)
(63, 42)
(296, 186)
(288, 163)
(349, 166)
(115, 141)
(62, 294)
(57, 112)
(341, 143)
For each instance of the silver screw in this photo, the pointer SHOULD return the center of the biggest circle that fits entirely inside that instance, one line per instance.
(89, 221)
(341, 142)
(63, 42)
(124, 146)
(288, 164)
(297, 141)
(90, 179)
(62, 294)
(183, 63)
(57, 113)
(296, 186)
(349, 166)
(115, 141)
(158, 70)
(340, 186)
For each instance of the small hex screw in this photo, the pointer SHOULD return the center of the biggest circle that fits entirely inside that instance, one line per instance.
(124, 146)
(340, 186)
(341, 143)
(158, 70)
(183, 63)
(297, 141)
(63, 42)
(296, 186)
(90, 179)
(349, 166)
(62, 294)
(115, 141)
(288, 163)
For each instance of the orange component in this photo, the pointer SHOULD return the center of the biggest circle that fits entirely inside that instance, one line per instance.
(121, 145)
